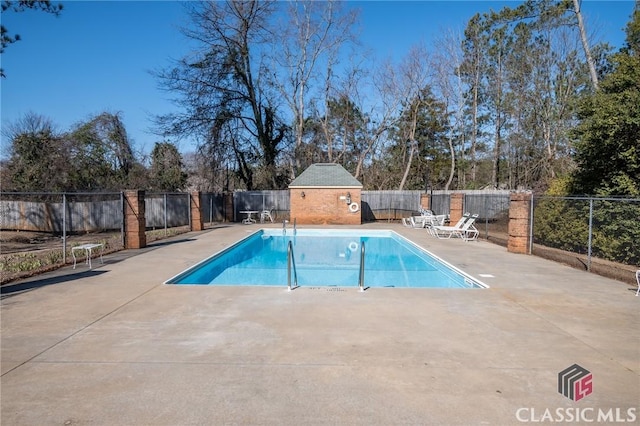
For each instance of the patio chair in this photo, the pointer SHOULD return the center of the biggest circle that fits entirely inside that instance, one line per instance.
(638, 281)
(424, 212)
(266, 214)
(463, 229)
(413, 221)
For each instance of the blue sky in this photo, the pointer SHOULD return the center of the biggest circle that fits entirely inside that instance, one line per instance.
(96, 56)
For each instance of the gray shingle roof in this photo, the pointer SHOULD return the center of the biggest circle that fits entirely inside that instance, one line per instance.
(325, 175)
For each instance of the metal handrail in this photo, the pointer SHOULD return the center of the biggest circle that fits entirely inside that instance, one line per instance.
(291, 261)
(361, 277)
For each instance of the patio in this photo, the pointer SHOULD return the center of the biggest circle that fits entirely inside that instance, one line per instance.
(114, 346)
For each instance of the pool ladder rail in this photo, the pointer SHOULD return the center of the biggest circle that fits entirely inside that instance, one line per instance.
(291, 261)
(361, 277)
(291, 266)
(284, 226)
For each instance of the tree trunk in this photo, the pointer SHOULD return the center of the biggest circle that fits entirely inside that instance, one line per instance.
(585, 45)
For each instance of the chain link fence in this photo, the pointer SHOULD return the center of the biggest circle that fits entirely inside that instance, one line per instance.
(604, 228)
(492, 209)
(40, 229)
(389, 205)
(276, 201)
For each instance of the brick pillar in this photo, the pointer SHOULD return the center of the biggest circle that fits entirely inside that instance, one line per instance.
(425, 201)
(519, 222)
(456, 206)
(196, 211)
(134, 221)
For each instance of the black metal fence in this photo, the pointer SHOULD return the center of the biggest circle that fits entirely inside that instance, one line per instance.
(389, 205)
(61, 212)
(606, 228)
(39, 229)
(492, 208)
(278, 201)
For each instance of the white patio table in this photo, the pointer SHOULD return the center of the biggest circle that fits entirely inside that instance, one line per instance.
(249, 219)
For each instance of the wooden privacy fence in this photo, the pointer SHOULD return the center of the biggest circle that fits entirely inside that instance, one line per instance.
(58, 212)
(261, 200)
(389, 205)
(89, 212)
(166, 210)
(95, 212)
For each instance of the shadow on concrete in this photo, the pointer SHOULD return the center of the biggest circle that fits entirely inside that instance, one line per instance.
(64, 273)
(167, 242)
(28, 285)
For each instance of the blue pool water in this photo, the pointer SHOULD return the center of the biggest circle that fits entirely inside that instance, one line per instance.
(326, 258)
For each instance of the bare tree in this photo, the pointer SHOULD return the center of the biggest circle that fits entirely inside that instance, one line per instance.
(223, 89)
(414, 78)
(472, 70)
(315, 33)
(447, 82)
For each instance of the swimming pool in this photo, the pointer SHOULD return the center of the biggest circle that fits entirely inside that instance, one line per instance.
(326, 257)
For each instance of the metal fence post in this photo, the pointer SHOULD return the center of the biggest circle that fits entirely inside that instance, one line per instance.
(123, 218)
(590, 234)
(189, 210)
(486, 218)
(531, 224)
(64, 228)
(165, 213)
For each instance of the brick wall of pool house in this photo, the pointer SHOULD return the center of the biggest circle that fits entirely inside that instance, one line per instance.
(325, 194)
(324, 206)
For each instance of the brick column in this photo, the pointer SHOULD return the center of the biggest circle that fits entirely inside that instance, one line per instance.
(519, 222)
(425, 201)
(196, 211)
(134, 221)
(455, 207)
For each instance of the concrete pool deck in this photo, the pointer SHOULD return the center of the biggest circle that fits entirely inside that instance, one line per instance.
(114, 346)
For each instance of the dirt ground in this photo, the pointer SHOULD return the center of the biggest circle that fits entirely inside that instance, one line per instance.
(27, 253)
(28, 241)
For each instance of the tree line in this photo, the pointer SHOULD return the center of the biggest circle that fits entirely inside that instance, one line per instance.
(520, 99)
(96, 155)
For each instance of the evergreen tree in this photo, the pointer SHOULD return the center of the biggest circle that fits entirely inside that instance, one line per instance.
(608, 146)
(167, 170)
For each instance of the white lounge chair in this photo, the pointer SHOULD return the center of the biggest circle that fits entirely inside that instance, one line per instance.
(638, 280)
(414, 221)
(447, 229)
(408, 222)
(463, 228)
